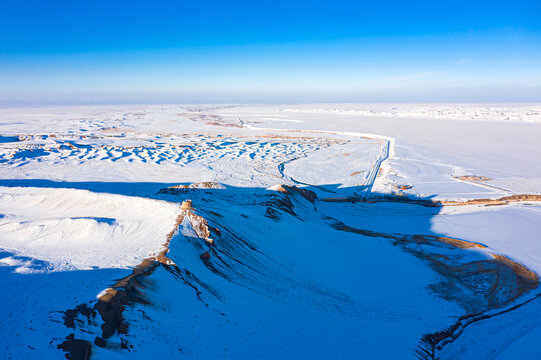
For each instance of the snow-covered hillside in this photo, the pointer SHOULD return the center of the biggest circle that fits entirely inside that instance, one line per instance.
(317, 231)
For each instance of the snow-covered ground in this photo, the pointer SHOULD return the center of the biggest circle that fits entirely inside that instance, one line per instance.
(362, 261)
(78, 229)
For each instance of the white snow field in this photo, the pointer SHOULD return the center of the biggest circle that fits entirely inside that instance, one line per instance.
(332, 231)
(78, 230)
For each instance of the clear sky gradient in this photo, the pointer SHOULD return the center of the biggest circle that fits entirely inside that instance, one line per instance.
(269, 51)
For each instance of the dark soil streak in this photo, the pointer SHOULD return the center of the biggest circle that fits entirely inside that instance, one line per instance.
(494, 283)
(431, 344)
(76, 349)
(438, 203)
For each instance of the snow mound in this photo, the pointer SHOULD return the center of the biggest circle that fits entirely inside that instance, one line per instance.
(77, 229)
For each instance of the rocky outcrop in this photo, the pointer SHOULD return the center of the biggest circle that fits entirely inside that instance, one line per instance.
(183, 188)
(473, 178)
(112, 301)
(292, 190)
(281, 200)
(500, 201)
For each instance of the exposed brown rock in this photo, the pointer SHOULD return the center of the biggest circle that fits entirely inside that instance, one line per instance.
(217, 123)
(182, 188)
(76, 349)
(438, 203)
(491, 284)
(283, 201)
(403, 187)
(500, 201)
(71, 315)
(305, 193)
(111, 303)
(473, 178)
(186, 205)
(510, 279)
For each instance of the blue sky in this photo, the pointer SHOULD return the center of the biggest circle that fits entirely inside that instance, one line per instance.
(269, 51)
